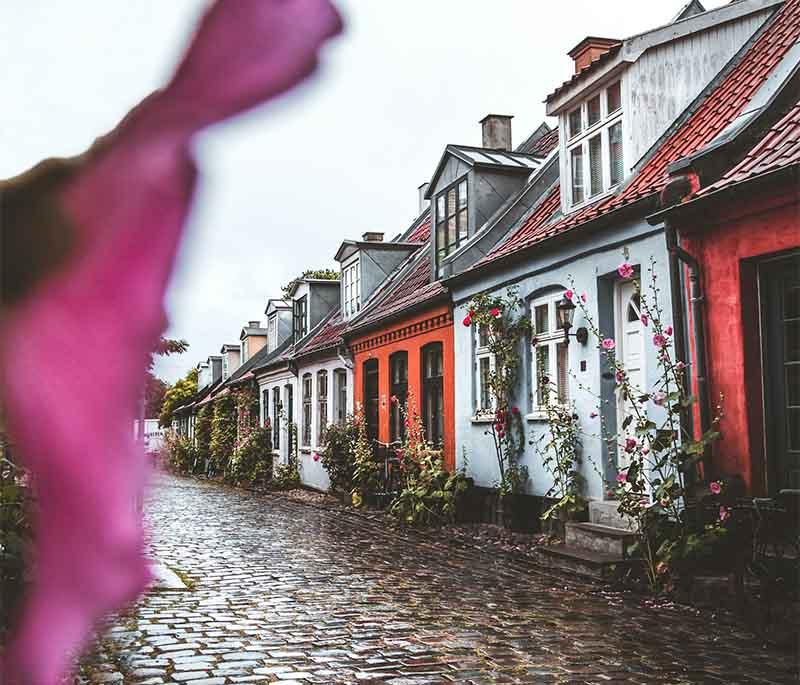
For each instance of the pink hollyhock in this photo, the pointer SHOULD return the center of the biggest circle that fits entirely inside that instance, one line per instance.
(495, 313)
(315, 456)
(621, 477)
(630, 444)
(569, 295)
(644, 319)
(619, 376)
(645, 451)
(724, 513)
(467, 320)
(123, 205)
(393, 399)
(659, 398)
(584, 298)
(659, 340)
(593, 415)
(608, 344)
(625, 270)
(715, 487)
(680, 366)
(668, 330)
(515, 410)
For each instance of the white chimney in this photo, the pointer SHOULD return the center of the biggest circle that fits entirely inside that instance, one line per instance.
(496, 130)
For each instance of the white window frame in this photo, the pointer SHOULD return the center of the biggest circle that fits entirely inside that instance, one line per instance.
(322, 373)
(483, 352)
(552, 340)
(351, 289)
(587, 133)
(272, 332)
(340, 391)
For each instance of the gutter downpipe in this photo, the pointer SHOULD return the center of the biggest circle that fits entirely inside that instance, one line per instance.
(696, 299)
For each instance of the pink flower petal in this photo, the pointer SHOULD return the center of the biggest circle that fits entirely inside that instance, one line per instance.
(126, 206)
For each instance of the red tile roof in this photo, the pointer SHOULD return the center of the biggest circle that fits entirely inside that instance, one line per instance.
(545, 145)
(411, 289)
(721, 106)
(779, 148)
(421, 233)
(329, 335)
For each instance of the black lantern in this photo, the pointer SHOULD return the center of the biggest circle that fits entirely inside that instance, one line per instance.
(565, 313)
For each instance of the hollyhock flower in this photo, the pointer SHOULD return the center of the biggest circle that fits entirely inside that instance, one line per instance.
(515, 410)
(584, 298)
(621, 477)
(644, 319)
(625, 270)
(630, 444)
(645, 450)
(668, 330)
(315, 456)
(467, 320)
(619, 376)
(715, 487)
(568, 294)
(659, 340)
(608, 344)
(122, 206)
(393, 399)
(724, 513)
(659, 398)
(496, 313)
(593, 415)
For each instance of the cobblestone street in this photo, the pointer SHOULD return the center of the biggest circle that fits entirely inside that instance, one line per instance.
(284, 592)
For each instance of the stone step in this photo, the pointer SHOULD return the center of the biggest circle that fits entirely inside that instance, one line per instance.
(599, 538)
(605, 513)
(584, 562)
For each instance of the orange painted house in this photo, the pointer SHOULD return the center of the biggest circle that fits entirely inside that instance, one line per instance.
(403, 347)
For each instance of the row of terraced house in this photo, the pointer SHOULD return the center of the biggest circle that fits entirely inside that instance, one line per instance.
(677, 148)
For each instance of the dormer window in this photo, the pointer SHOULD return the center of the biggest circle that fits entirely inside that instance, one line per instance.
(452, 222)
(351, 289)
(594, 159)
(299, 317)
(272, 332)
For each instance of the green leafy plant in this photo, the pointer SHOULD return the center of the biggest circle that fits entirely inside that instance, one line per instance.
(286, 477)
(318, 274)
(338, 453)
(223, 433)
(252, 462)
(366, 471)
(177, 393)
(15, 535)
(505, 326)
(181, 454)
(202, 437)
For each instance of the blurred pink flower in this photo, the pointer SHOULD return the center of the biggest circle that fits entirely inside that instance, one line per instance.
(659, 340)
(124, 205)
(644, 319)
(315, 456)
(724, 513)
(715, 487)
(659, 398)
(621, 477)
(569, 294)
(630, 444)
(625, 270)
(608, 344)
(584, 298)
(668, 330)
(593, 415)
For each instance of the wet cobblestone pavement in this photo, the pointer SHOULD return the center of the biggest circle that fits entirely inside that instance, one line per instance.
(285, 592)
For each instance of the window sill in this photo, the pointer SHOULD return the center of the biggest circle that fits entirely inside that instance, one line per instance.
(536, 416)
(306, 450)
(482, 418)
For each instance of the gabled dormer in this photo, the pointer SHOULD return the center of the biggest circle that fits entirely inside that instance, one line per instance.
(253, 338)
(365, 264)
(279, 323)
(312, 300)
(231, 359)
(626, 94)
(471, 183)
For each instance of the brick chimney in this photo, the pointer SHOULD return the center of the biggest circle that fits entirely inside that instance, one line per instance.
(496, 129)
(372, 237)
(589, 49)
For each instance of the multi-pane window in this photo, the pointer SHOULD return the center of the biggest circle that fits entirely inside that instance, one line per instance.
(398, 370)
(300, 318)
(340, 388)
(594, 161)
(351, 290)
(485, 361)
(322, 403)
(433, 393)
(272, 332)
(264, 407)
(452, 224)
(550, 372)
(276, 418)
(306, 431)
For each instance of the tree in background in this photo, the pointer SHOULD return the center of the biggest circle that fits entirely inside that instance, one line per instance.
(154, 391)
(319, 274)
(178, 392)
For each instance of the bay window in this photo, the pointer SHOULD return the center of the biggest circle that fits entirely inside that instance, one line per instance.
(550, 360)
(594, 147)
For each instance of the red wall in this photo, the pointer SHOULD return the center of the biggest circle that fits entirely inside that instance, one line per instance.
(409, 335)
(728, 245)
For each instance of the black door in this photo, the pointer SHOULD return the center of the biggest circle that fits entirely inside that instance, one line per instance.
(780, 306)
(371, 397)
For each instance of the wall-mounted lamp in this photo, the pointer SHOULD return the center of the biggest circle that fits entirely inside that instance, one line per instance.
(565, 313)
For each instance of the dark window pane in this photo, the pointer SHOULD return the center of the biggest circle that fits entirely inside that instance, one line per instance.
(462, 225)
(593, 111)
(595, 166)
(575, 122)
(576, 164)
(615, 153)
(614, 97)
(791, 302)
(452, 234)
(793, 385)
(792, 340)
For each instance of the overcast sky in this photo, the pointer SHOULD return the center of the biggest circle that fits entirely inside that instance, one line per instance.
(281, 187)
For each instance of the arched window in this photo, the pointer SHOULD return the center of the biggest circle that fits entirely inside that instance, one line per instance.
(398, 370)
(433, 393)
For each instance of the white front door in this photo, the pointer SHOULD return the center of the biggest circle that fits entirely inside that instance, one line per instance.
(630, 351)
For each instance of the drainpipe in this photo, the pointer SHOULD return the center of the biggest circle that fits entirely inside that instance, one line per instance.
(678, 255)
